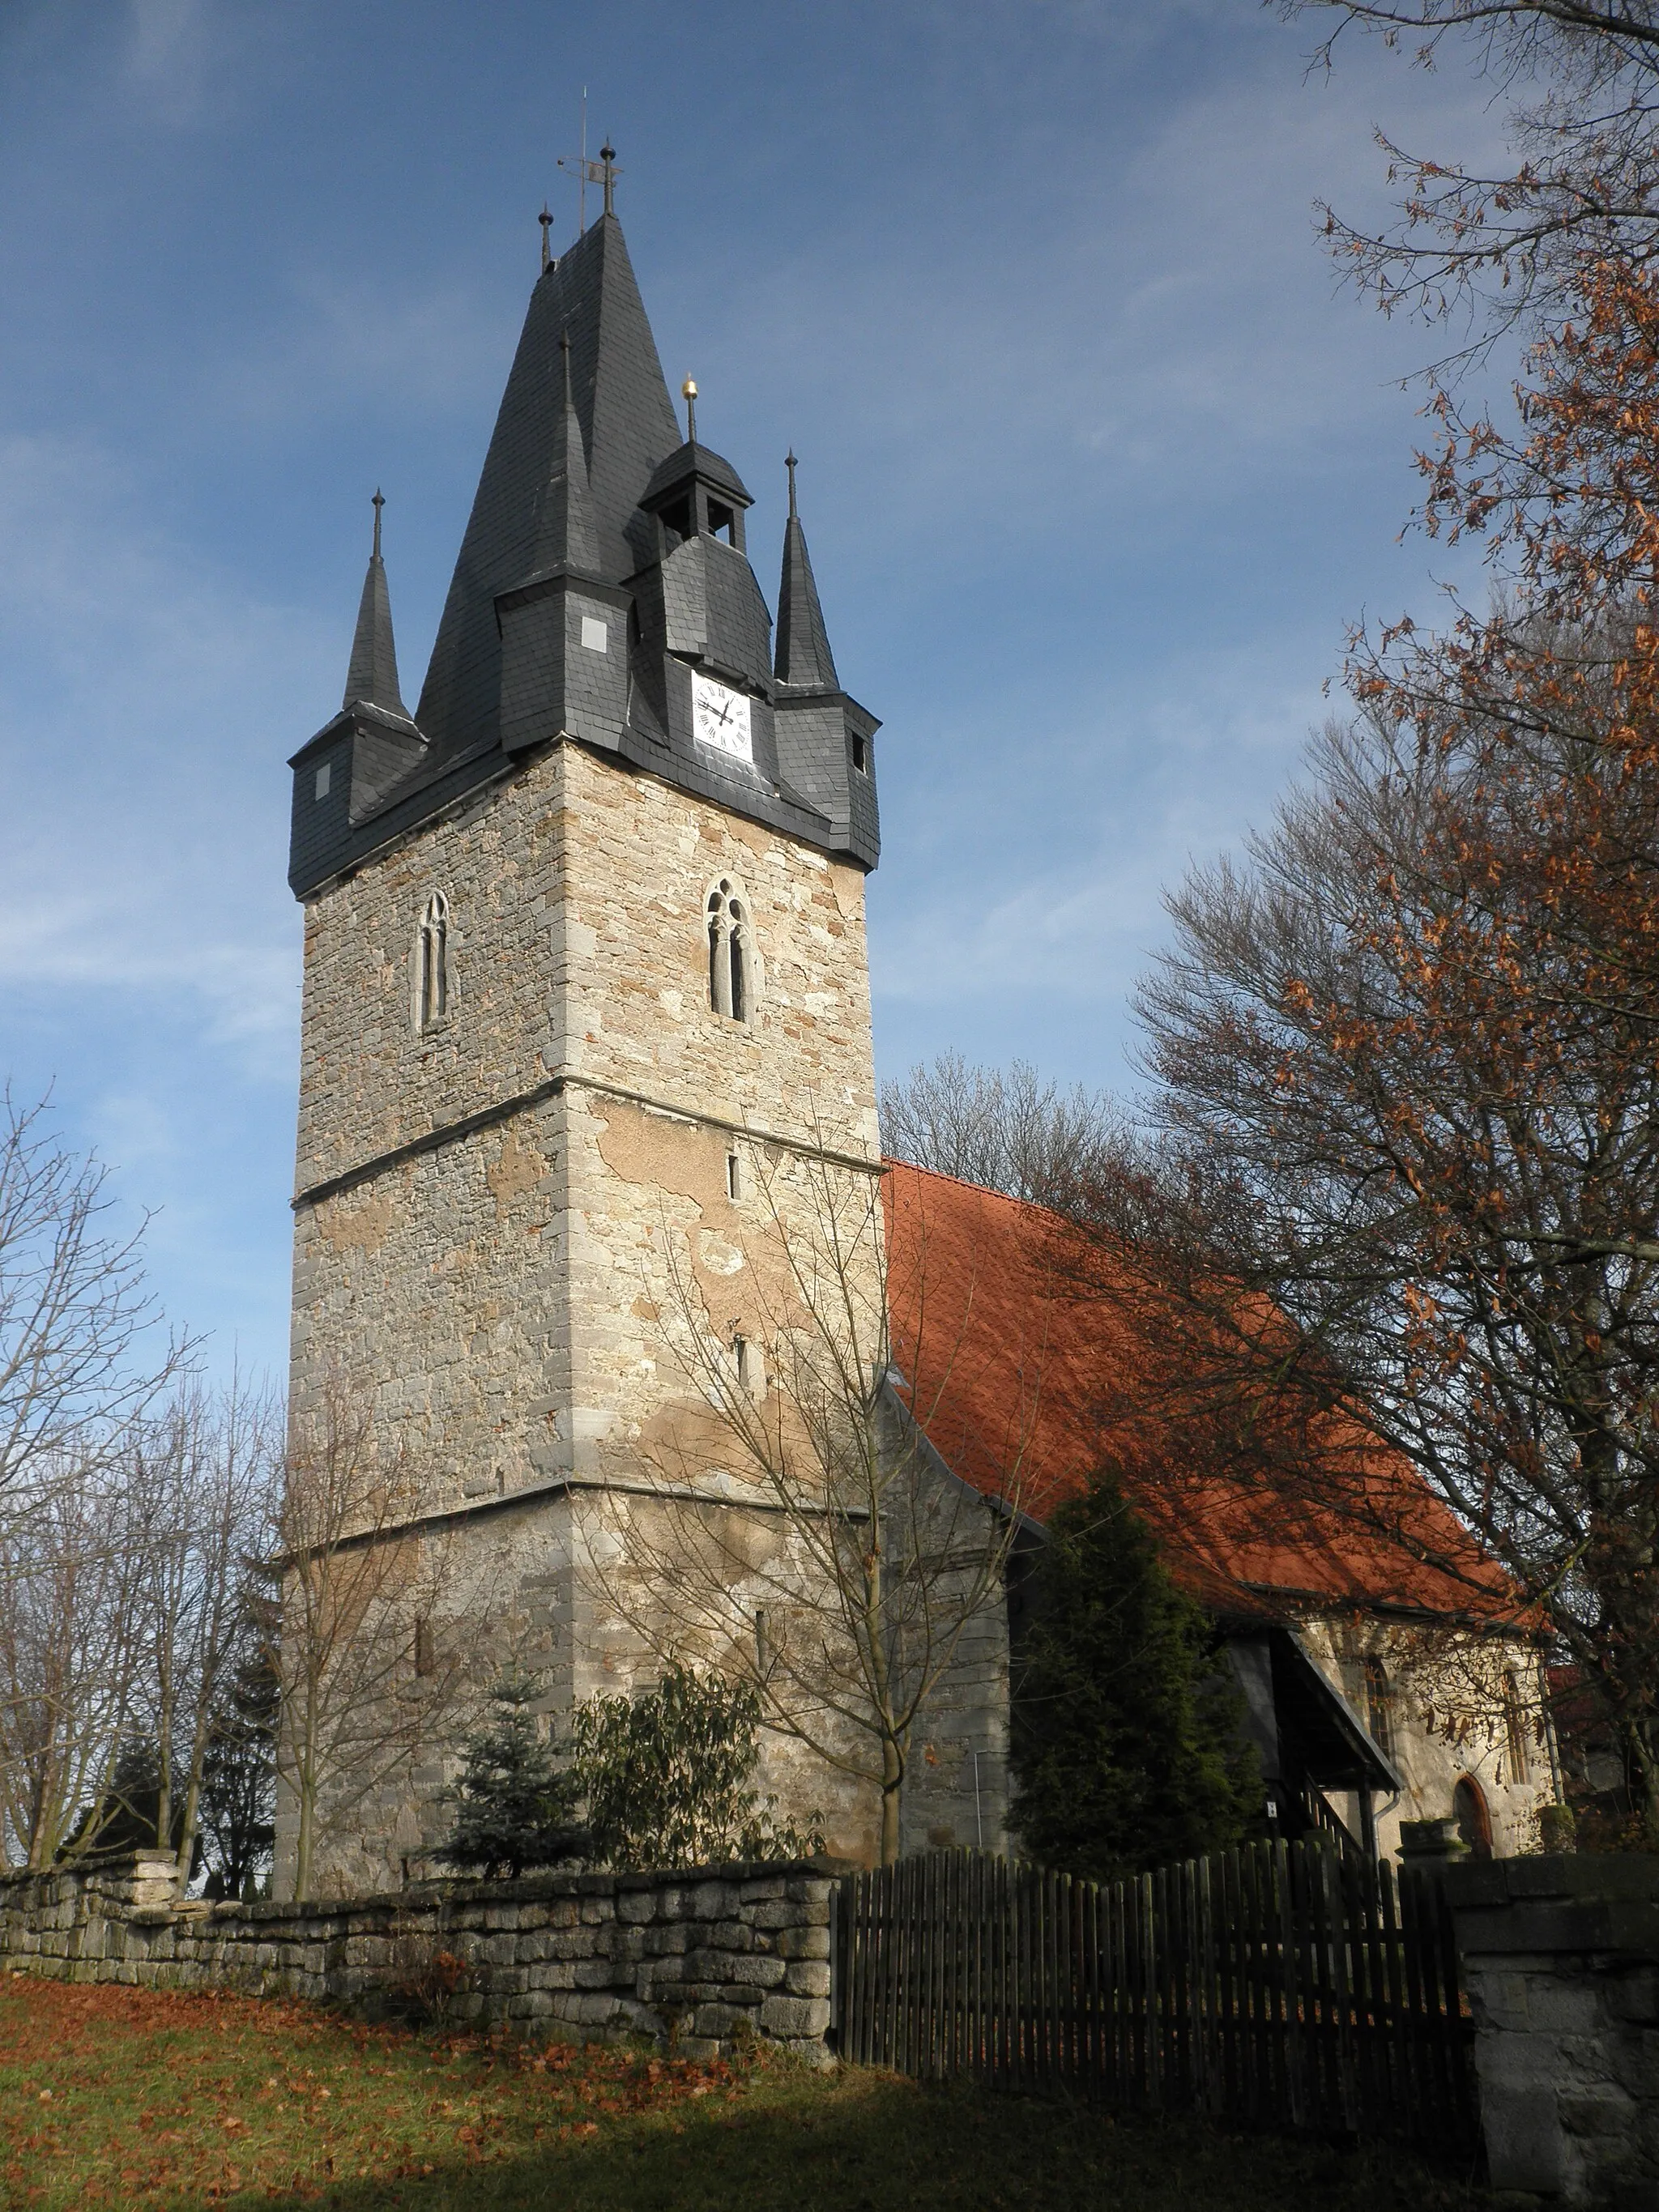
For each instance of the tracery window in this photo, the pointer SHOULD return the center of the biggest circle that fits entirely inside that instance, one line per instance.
(731, 952)
(432, 963)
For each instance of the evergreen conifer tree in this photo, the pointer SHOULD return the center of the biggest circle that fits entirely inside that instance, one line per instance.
(515, 1808)
(1128, 1751)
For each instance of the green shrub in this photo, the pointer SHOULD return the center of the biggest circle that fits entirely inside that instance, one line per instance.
(667, 1777)
(1128, 1741)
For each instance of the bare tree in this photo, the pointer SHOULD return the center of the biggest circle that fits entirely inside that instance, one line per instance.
(75, 1316)
(796, 1528)
(69, 1660)
(198, 1482)
(1504, 252)
(1006, 1130)
(369, 1661)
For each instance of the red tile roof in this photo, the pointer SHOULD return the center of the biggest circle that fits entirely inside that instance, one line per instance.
(1031, 1361)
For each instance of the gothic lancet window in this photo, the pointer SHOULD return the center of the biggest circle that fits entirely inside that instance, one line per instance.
(731, 953)
(1379, 1706)
(1515, 1729)
(432, 963)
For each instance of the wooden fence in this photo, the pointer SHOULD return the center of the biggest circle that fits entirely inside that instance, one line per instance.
(1290, 1985)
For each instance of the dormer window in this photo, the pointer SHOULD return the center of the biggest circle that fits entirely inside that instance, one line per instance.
(860, 754)
(731, 953)
(432, 964)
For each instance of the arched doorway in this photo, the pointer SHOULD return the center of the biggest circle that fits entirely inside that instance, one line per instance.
(1473, 1822)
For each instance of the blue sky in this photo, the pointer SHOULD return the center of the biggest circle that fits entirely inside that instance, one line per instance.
(1097, 462)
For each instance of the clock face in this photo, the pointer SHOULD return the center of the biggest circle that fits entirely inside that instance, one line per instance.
(720, 718)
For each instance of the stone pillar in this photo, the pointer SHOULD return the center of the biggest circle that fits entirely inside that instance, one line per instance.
(151, 1881)
(1561, 1962)
(1426, 1845)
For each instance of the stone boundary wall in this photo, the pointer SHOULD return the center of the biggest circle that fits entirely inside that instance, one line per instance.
(1561, 1962)
(697, 1958)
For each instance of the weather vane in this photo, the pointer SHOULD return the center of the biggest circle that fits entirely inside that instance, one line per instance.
(603, 171)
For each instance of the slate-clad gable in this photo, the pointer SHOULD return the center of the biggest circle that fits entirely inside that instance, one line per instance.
(604, 561)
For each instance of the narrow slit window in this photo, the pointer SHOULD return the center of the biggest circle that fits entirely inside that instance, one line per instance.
(733, 1176)
(861, 755)
(432, 963)
(426, 1659)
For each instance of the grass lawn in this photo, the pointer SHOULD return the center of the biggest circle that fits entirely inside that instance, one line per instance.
(136, 2097)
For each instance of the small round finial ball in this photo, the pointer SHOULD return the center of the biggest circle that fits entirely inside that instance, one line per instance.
(689, 388)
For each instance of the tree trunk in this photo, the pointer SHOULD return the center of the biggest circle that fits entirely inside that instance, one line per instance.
(893, 1781)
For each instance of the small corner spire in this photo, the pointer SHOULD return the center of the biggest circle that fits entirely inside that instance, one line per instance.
(545, 219)
(804, 659)
(608, 172)
(689, 393)
(372, 676)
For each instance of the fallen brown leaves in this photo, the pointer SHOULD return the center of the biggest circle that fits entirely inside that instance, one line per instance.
(142, 2096)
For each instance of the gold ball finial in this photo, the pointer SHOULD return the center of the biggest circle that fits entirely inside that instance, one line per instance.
(689, 393)
(689, 388)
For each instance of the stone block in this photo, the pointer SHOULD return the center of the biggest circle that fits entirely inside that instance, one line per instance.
(1525, 2147)
(786, 2016)
(772, 1912)
(758, 1970)
(1601, 2110)
(808, 1978)
(636, 1905)
(1634, 1995)
(597, 1974)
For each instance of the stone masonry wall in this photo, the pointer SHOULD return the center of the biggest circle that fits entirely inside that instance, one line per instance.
(1561, 1962)
(1447, 1722)
(697, 1958)
(512, 1307)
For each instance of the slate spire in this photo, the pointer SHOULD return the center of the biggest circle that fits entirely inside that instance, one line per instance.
(620, 400)
(803, 658)
(371, 679)
(564, 527)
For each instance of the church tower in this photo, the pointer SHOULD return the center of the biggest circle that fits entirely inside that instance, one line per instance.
(584, 961)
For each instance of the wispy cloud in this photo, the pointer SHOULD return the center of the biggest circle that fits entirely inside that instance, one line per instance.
(146, 704)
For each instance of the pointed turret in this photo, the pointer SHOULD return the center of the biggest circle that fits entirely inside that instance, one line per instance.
(824, 737)
(372, 677)
(805, 660)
